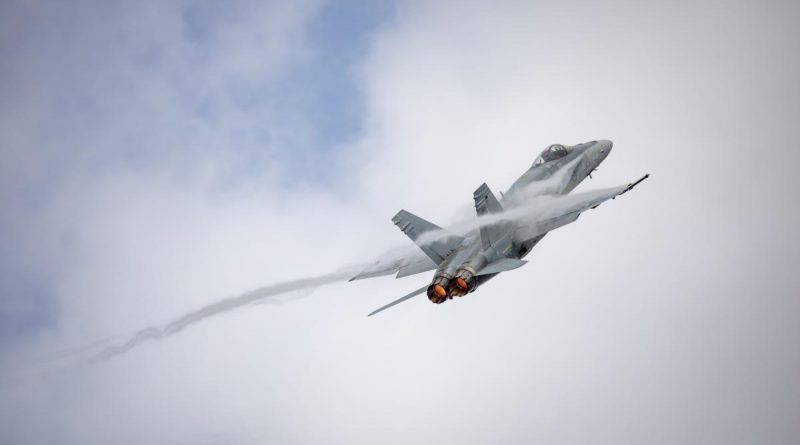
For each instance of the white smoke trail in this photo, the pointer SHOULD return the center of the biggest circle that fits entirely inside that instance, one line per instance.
(226, 305)
(537, 209)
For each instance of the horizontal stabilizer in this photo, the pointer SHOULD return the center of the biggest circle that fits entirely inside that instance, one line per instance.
(399, 300)
(437, 245)
(501, 265)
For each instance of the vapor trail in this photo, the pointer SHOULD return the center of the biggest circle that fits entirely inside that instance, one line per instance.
(526, 203)
(537, 209)
(228, 304)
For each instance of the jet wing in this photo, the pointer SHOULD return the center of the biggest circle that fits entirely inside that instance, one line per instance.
(403, 262)
(555, 212)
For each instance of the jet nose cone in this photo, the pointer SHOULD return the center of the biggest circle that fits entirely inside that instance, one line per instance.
(598, 152)
(604, 147)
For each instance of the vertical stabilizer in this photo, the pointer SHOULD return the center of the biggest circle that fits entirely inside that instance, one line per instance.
(487, 203)
(438, 245)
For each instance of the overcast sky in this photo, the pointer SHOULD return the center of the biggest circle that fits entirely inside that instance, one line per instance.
(159, 156)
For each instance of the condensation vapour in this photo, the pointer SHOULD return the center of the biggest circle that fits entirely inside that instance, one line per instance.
(535, 208)
(222, 306)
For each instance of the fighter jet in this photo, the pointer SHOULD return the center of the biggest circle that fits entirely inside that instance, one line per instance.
(506, 229)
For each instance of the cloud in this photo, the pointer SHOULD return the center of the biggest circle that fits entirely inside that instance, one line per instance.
(150, 166)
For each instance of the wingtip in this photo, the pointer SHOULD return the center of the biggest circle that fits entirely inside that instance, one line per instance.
(634, 184)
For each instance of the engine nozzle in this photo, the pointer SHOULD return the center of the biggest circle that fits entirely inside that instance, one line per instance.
(437, 291)
(463, 283)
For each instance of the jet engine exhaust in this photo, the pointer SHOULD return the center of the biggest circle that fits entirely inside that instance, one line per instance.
(437, 291)
(463, 283)
(465, 280)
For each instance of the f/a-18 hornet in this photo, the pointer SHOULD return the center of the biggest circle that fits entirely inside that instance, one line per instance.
(506, 229)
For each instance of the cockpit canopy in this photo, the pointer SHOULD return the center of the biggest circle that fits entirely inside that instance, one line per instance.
(552, 153)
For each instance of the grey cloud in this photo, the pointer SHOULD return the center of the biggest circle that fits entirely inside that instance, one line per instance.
(667, 317)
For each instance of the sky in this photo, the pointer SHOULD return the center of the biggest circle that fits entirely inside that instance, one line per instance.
(159, 157)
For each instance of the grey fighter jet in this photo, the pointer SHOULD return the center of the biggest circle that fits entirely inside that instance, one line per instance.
(505, 230)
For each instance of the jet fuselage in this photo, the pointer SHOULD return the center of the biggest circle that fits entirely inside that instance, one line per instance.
(557, 171)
